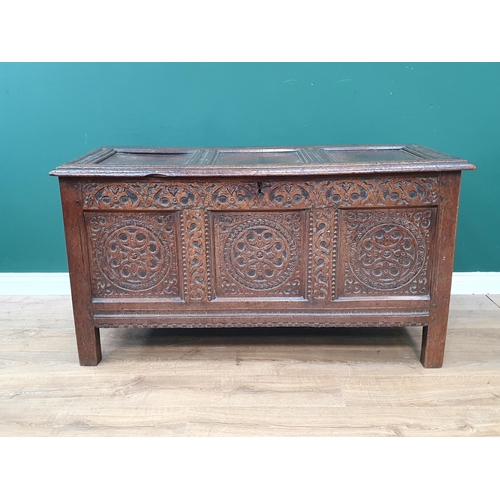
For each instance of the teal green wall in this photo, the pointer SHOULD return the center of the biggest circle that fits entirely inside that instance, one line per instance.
(51, 113)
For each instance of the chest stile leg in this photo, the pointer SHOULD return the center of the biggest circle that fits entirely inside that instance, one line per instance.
(87, 335)
(434, 334)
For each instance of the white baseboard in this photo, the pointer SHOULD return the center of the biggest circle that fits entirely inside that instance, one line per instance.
(475, 283)
(58, 283)
(34, 284)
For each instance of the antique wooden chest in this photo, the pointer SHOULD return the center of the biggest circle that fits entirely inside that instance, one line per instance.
(222, 237)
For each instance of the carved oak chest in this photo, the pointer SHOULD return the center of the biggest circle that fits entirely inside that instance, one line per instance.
(312, 236)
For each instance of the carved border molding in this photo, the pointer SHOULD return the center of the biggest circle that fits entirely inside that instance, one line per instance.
(207, 323)
(322, 250)
(195, 255)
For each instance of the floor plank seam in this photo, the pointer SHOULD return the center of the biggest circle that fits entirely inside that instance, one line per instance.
(492, 301)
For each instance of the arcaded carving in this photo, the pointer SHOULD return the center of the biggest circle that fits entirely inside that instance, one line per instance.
(381, 191)
(387, 252)
(133, 255)
(130, 195)
(243, 195)
(230, 195)
(259, 253)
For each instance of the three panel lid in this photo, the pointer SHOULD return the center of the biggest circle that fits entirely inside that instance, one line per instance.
(233, 162)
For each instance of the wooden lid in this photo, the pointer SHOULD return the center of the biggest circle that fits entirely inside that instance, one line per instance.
(238, 162)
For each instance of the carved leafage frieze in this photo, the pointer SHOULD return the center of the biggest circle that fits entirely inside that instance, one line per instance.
(387, 252)
(129, 195)
(407, 190)
(259, 194)
(195, 255)
(290, 195)
(244, 195)
(259, 254)
(133, 255)
(231, 195)
(381, 191)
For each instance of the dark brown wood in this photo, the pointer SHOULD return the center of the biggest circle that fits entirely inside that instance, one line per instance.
(87, 334)
(434, 333)
(299, 236)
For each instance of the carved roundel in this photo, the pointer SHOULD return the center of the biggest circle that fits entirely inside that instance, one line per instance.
(260, 254)
(387, 253)
(134, 255)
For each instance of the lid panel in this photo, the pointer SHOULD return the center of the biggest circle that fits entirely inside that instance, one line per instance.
(139, 159)
(370, 156)
(258, 157)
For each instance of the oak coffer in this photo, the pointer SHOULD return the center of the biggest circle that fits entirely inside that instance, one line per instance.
(236, 237)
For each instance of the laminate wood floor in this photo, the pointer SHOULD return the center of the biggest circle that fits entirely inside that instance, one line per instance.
(238, 382)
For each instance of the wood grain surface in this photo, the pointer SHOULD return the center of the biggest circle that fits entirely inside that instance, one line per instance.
(247, 382)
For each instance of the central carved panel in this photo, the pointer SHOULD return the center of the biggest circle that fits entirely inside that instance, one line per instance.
(259, 254)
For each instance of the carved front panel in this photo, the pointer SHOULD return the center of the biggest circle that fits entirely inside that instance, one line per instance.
(134, 254)
(386, 252)
(260, 254)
